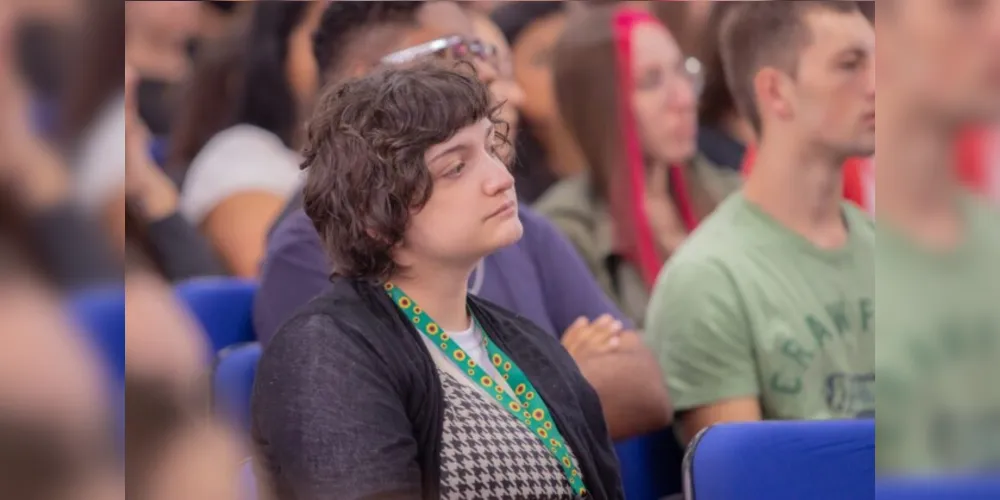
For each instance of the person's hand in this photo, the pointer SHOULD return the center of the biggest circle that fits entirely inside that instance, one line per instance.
(585, 338)
(145, 182)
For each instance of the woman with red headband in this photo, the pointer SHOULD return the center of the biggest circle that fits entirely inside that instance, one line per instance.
(637, 126)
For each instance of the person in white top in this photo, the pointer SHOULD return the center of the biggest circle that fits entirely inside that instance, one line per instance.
(239, 182)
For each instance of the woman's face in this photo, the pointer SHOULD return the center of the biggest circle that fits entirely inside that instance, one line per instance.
(300, 64)
(505, 88)
(533, 68)
(472, 210)
(664, 101)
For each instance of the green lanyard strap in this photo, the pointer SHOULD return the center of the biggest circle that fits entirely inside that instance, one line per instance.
(523, 404)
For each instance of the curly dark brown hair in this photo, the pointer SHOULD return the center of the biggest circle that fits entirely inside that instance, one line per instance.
(364, 156)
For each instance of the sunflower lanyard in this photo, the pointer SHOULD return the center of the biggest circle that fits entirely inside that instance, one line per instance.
(524, 404)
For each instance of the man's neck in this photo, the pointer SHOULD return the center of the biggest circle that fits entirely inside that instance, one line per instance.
(801, 190)
(916, 178)
(439, 290)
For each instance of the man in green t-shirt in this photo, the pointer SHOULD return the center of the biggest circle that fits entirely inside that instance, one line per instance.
(767, 311)
(938, 256)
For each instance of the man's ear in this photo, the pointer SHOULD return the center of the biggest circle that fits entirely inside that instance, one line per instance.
(773, 93)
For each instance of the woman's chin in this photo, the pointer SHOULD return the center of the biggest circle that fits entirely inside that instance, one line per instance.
(508, 233)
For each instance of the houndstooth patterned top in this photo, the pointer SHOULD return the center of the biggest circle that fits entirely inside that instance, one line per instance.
(487, 454)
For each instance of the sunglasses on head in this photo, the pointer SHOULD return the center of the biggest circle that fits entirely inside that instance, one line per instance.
(451, 47)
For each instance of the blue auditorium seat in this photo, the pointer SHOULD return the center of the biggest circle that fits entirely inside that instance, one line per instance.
(650, 465)
(101, 313)
(815, 460)
(937, 488)
(223, 306)
(232, 381)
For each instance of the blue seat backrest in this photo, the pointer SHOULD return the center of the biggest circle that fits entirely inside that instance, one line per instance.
(937, 488)
(650, 465)
(101, 314)
(778, 460)
(232, 381)
(223, 307)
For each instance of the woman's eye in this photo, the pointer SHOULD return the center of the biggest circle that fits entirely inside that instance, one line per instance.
(455, 171)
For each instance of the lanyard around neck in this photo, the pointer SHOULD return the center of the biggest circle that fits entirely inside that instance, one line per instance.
(524, 404)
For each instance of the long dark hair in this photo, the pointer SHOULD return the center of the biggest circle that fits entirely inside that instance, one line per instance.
(267, 100)
(95, 75)
(716, 101)
(209, 99)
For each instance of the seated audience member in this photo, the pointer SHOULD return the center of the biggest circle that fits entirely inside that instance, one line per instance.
(209, 100)
(175, 448)
(397, 382)
(723, 134)
(938, 255)
(768, 311)
(540, 277)
(646, 188)
(38, 187)
(157, 35)
(546, 152)
(237, 184)
(56, 417)
(103, 170)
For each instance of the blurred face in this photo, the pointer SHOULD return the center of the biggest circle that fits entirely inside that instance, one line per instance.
(832, 98)
(943, 56)
(472, 210)
(664, 101)
(505, 88)
(533, 69)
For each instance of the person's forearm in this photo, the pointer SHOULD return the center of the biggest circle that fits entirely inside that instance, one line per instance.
(630, 384)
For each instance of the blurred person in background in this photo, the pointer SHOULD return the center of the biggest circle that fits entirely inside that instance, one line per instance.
(646, 188)
(362, 394)
(72, 248)
(724, 133)
(157, 35)
(938, 355)
(540, 277)
(546, 151)
(239, 181)
(209, 99)
(174, 446)
(57, 424)
(101, 120)
(768, 311)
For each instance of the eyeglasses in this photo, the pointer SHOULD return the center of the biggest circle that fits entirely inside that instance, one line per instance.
(687, 75)
(451, 47)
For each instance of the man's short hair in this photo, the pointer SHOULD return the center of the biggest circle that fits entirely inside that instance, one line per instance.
(365, 151)
(343, 23)
(755, 35)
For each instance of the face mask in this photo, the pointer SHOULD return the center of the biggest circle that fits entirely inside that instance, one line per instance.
(154, 105)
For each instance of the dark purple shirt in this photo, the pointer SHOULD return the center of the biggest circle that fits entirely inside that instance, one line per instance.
(541, 277)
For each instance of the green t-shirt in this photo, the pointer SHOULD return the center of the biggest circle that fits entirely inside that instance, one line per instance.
(749, 308)
(938, 358)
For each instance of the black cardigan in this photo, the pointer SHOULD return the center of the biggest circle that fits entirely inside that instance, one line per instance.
(347, 401)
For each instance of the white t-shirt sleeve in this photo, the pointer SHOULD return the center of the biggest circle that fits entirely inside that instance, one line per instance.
(237, 160)
(100, 164)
